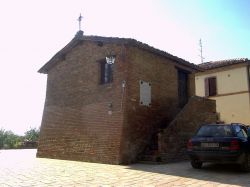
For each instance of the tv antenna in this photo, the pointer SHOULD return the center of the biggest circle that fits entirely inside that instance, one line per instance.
(201, 51)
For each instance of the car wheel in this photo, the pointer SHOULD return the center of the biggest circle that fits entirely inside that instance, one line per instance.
(245, 166)
(196, 164)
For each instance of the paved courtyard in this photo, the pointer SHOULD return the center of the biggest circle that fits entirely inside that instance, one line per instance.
(22, 168)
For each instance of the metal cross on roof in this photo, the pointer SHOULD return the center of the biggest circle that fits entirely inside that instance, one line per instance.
(80, 20)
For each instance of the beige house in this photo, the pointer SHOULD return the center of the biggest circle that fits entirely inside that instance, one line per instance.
(227, 82)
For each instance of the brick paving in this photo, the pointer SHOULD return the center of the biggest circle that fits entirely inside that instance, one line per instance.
(22, 168)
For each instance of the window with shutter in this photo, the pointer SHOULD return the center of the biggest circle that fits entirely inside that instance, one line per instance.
(106, 71)
(210, 86)
(206, 87)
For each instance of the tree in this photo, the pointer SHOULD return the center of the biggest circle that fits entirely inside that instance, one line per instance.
(8, 140)
(11, 141)
(2, 138)
(32, 134)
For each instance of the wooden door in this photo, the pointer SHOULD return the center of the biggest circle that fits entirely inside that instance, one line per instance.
(182, 87)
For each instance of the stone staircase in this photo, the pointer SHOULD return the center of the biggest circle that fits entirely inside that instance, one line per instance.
(171, 141)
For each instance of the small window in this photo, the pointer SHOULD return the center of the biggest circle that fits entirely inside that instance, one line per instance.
(210, 86)
(106, 72)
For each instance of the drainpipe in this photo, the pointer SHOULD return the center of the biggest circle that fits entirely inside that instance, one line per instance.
(248, 80)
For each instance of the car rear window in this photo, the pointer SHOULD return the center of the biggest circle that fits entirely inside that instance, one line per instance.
(215, 131)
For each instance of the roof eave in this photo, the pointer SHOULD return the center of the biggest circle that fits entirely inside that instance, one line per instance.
(125, 41)
(212, 65)
(58, 56)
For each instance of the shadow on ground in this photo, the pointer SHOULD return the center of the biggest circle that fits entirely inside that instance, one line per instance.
(218, 173)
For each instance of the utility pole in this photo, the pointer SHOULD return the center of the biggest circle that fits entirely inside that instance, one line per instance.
(201, 52)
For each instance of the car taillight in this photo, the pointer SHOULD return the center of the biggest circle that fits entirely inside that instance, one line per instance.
(190, 145)
(234, 145)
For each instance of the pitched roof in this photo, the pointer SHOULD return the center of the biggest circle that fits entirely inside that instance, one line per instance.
(222, 63)
(79, 38)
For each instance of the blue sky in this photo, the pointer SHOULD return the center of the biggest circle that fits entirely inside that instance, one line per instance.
(223, 26)
(32, 31)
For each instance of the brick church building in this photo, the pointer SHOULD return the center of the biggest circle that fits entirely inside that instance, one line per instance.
(109, 100)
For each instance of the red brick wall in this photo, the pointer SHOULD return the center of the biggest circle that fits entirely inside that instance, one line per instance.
(76, 124)
(141, 122)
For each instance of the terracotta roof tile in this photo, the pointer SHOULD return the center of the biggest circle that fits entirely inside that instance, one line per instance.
(222, 63)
